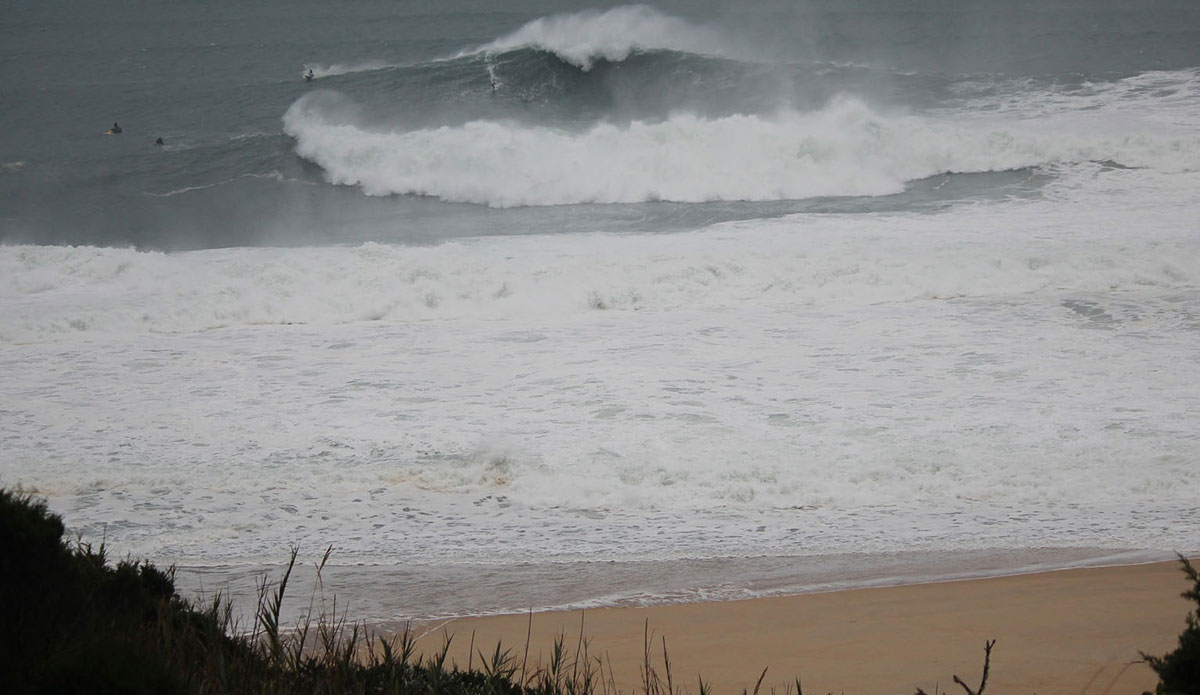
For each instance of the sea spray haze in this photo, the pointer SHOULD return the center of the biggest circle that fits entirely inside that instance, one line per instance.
(574, 304)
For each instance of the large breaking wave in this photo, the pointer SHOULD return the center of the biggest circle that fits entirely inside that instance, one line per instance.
(631, 105)
(844, 149)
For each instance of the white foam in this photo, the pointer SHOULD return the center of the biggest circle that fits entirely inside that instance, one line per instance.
(1005, 375)
(843, 149)
(693, 433)
(47, 293)
(273, 175)
(582, 38)
(1167, 98)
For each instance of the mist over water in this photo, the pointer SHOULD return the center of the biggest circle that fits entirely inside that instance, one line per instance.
(547, 285)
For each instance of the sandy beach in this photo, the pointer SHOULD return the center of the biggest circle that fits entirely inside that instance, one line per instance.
(1070, 631)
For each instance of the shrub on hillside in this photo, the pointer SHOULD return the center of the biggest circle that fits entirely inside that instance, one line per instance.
(69, 617)
(74, 624)
(1179, 671)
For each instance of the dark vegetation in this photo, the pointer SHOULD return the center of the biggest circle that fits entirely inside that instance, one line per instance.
(71, 623)
(1179, 671)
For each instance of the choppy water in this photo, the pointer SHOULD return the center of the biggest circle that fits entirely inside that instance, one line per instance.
(603, 288)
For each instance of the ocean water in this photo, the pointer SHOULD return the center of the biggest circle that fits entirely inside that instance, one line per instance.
(569, 304)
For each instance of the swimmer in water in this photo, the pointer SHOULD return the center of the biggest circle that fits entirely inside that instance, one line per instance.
(159, 142)
(308, 76)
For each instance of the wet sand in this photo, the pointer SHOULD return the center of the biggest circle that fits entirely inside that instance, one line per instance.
(1069, 631)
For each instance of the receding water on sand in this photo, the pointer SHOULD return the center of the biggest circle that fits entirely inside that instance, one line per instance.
(383, 596)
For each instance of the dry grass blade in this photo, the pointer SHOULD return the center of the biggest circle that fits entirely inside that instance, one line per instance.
(761, 676)
(528, 635)
(667, 667)
(987, 658)
(269, 609)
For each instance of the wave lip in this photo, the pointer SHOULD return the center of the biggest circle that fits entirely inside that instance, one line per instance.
(583, 38)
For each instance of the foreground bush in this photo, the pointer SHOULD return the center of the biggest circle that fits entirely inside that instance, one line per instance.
(73, 624)
(1179, 671)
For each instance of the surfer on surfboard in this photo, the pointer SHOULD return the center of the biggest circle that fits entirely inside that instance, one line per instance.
(115, 130)
(308, 76)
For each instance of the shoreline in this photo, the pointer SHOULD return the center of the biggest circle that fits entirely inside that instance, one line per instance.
(1070, 630)
(386, 594)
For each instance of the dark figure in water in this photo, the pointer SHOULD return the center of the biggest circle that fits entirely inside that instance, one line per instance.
(158, 142)
(308, 76)
(115, 129)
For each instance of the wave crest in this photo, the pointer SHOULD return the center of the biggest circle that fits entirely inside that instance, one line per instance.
(582, 38)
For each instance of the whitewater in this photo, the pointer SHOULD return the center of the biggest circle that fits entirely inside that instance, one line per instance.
(614, 307)
(843, 149)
